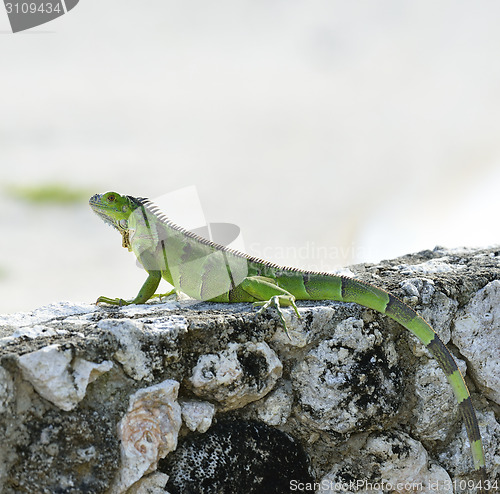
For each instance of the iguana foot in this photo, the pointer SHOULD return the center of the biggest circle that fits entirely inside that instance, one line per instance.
(112, 301)
(277, 301)
(168, 294)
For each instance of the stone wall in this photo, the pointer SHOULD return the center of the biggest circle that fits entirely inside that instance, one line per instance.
(190, 397)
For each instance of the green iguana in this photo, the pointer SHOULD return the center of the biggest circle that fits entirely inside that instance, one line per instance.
(207, 271)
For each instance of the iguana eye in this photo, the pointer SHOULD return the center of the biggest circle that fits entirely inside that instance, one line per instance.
(111, 198)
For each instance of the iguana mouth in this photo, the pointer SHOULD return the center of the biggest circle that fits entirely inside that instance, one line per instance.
(99, 209)
(106, 219)
(95, 200)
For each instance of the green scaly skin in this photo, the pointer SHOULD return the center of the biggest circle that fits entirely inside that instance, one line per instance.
(207, 271)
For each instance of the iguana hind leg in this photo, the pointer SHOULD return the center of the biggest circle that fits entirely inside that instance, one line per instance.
(174, 291)
(269, 294)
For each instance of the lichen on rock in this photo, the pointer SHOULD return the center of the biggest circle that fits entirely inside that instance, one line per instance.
(236, 456)
(349, 382)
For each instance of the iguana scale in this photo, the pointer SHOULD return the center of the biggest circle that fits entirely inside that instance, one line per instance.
(208, 271)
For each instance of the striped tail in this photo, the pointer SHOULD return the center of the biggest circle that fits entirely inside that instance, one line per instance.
(382, 301)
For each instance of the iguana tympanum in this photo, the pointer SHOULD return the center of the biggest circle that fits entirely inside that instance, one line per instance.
(208, 271)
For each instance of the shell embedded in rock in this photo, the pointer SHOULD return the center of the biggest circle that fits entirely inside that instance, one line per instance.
(148, 431)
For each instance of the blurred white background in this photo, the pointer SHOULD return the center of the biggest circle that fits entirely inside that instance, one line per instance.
(330, 131)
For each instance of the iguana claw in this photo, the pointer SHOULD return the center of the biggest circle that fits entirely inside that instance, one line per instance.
(277, 301)
(112, 301)
(174, 291)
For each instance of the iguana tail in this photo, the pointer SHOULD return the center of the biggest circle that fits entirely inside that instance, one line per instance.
(328, 287)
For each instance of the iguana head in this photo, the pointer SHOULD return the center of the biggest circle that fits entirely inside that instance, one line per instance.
(115, 210)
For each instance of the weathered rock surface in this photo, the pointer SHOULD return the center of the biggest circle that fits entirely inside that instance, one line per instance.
(201, 397)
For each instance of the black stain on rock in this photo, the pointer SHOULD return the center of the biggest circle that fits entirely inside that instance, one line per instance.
(236, 456)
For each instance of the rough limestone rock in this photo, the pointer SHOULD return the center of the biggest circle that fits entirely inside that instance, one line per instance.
(476, 335)
(224, 377)
(201, 397)
(377, 470)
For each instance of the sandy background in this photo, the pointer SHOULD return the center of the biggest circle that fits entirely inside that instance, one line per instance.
(361, 130)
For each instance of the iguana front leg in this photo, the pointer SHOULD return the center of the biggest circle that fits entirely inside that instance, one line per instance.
(145, 293)
(269, 294)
